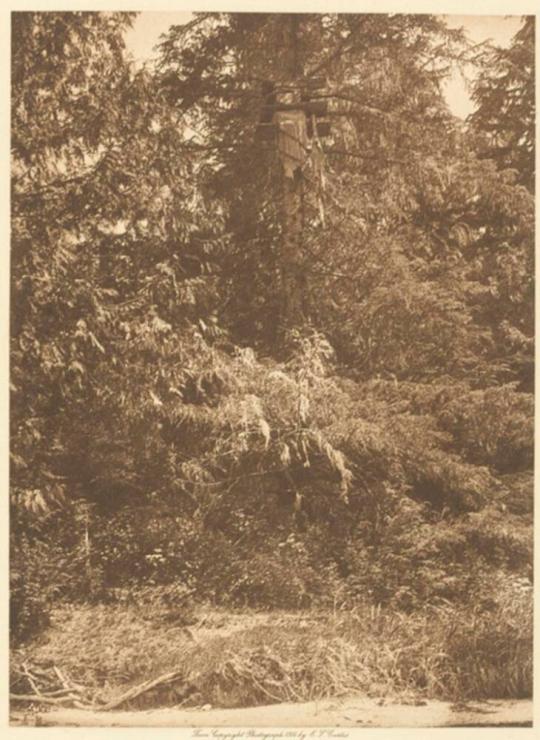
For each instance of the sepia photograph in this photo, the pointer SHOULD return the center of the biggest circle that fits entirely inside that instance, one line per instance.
(271, 383)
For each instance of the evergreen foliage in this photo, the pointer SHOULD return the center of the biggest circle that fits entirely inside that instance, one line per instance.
(173, 422)
(505, 98)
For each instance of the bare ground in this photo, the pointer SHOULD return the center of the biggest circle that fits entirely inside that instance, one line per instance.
(353, 712)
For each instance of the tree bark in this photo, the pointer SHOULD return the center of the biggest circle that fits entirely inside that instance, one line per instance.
(293, 281)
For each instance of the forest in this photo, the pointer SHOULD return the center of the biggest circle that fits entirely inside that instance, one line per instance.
(271, 396)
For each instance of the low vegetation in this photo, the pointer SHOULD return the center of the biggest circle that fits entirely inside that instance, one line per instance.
(244, 658)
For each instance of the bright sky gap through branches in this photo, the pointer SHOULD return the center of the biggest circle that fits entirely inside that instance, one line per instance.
(149, 25)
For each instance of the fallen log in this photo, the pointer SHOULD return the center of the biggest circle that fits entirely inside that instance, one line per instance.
(37, 699)
(141, 689)
(31, 680)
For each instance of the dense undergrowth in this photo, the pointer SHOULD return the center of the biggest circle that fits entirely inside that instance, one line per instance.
(205, 410)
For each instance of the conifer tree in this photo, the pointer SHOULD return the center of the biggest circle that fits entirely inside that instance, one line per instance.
(504, 94)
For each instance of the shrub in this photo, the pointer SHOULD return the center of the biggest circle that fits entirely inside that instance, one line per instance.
(29, 599)
(493, 427)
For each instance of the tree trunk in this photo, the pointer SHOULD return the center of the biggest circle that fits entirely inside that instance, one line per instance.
(292, 151)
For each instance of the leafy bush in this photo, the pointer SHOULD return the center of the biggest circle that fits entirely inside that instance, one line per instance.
(493, 427)
(29, 599)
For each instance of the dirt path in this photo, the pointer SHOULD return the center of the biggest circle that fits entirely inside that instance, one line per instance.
(337, 713)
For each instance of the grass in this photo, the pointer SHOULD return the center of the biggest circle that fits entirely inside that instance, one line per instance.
(250, 658)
